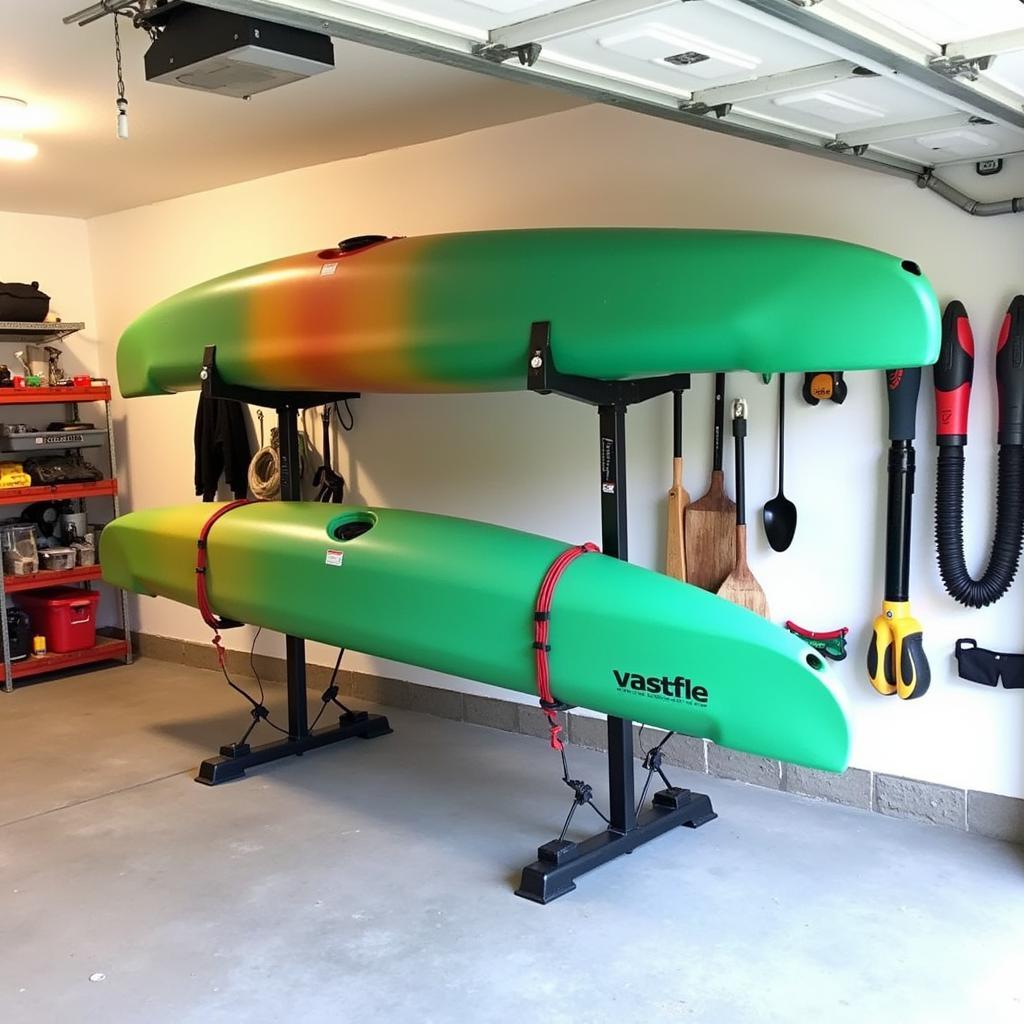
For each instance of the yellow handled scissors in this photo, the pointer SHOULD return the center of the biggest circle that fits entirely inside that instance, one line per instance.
(896, 658)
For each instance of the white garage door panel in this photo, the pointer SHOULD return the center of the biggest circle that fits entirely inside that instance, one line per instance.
(974, 142)
(834, 108)
(666, 47)
(943, 20)
(774, 69)
(1008, 70)
(482, 14)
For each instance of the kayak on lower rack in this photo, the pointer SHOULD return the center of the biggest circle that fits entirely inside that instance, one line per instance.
(460, 597)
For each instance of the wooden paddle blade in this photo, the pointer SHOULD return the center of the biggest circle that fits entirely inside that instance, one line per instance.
(675, 552)
(710, 537)
(741, 588)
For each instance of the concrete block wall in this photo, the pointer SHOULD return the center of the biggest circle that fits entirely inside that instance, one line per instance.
(986, 814)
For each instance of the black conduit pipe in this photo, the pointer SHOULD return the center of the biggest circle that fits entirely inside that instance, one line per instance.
(954, 373)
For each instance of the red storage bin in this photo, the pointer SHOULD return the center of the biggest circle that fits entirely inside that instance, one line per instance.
(66, 616)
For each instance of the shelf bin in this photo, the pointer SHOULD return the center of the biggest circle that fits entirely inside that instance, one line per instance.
(66, 616)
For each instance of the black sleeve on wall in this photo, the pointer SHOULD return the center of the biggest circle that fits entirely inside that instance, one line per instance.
(221, 446)
(200, 444)
(235, 447)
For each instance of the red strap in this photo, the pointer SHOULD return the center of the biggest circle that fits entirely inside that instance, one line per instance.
(202, 563)
(542, 630)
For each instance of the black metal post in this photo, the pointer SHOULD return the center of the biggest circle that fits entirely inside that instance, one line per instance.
(288, 439)
(615, 542)
(295, 647)
(560, 862)
(235, 758)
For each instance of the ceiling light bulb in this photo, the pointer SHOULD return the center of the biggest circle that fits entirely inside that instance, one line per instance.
(13, 113)
(12, 148)
(122, 119)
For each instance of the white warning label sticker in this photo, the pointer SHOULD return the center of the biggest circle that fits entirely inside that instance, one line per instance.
(334, 557)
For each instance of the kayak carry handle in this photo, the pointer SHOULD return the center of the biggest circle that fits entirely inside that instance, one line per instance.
(357, 242)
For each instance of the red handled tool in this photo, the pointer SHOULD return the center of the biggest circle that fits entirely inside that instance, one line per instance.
(831, 643)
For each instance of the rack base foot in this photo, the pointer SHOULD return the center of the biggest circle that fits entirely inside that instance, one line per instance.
(560, 862)
(236, 758)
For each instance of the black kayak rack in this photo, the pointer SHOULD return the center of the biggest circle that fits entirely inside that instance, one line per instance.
(235, 758)
(559, 862)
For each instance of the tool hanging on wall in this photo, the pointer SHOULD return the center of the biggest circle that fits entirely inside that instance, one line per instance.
(330, 485)
(709, 535)
(954, 374)
(979, 665)
(678, 499)
(779, 513)
(740, 587)
(831, 643)
(896, 660)
(824, 386)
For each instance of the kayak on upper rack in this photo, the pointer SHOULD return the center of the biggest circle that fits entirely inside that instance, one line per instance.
(452, 313)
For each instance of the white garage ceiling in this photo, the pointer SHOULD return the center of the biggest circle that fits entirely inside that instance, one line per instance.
(910, 86)
(184, 142)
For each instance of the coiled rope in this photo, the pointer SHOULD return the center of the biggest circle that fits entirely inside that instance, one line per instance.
(265, 467)
(265, 470)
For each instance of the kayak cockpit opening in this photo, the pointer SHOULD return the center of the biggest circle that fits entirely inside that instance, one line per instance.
(350, 525)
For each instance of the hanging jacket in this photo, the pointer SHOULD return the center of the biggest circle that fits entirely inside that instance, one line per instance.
(221, 446)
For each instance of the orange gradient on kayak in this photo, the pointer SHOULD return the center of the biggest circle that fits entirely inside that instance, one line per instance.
(299, 310)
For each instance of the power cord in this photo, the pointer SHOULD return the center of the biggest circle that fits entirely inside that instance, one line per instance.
(258, 709)
(341, 419)
(330, 695)
(652, 762)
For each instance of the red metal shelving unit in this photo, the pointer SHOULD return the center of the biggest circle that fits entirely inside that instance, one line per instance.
(105, 648)
(52, 396)
(86, 489)
(52, 578)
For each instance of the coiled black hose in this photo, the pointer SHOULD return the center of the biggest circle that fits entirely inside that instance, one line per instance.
(954, 373)
(949, 527)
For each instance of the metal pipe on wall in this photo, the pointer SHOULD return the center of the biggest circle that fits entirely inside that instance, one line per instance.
(975, 207)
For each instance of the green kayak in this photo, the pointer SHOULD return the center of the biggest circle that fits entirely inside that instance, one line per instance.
(449, 313)
(459, 597)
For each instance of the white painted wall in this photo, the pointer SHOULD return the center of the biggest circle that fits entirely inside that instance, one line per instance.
(531, 462)
(55, 252)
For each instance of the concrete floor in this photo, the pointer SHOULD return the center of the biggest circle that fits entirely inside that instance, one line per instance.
(372, 881)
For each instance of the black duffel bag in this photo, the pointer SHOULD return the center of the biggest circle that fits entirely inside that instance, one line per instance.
(24, 303)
